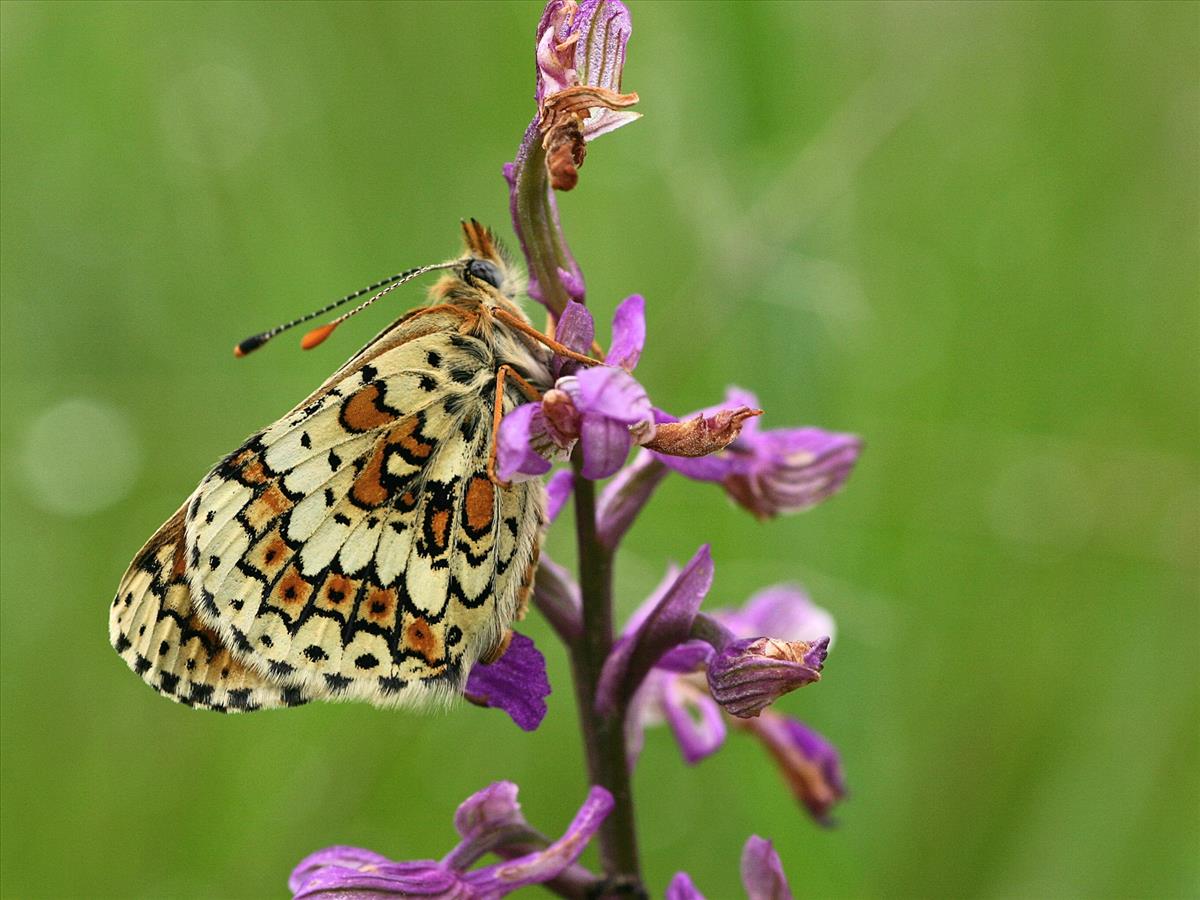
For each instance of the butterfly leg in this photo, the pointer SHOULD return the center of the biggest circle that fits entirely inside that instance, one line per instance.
(523, 327)
(502, 375)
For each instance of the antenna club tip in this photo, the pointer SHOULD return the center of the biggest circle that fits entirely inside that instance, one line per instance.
(317, 336)
(248, 345)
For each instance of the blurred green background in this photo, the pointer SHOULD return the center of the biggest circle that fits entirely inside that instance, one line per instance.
(968, 232)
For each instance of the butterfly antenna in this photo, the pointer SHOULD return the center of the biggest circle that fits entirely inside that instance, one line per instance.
(314, 337)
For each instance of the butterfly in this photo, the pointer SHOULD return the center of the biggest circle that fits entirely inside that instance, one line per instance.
(361, 546)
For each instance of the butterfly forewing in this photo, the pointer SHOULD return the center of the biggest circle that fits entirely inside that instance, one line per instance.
(357, 548)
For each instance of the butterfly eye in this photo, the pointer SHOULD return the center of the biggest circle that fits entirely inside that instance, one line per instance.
(484, 271)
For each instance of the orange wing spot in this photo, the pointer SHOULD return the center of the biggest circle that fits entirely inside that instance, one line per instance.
(408, 501)
(406, 435)
(292, 591)
(420, 637)
(270, 504)
(368, 488)
(338, 593)
(178, 562)
(253, 473)
(380, 607)
(270, 554)
(439, 527)
(480, 504)
(361, 411)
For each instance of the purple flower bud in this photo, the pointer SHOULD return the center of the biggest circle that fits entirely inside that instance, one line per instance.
(762, 875)
(682, 888)
(557, 596)
(575, 330)
(646, 639)
(762, 872)
(623, 497)
(628, 333)
(516, 683)
(494, 807)
(747, 676)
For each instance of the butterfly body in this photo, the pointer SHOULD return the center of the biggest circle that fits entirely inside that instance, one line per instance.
(357, 548)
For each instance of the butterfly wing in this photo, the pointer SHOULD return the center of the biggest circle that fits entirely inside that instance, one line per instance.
(356, 548)
(155, 629)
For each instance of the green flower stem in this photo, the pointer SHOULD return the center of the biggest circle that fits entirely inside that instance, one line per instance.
(536, 221)
(603, 736)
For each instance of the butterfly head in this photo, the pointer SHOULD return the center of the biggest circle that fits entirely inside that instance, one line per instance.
(487, 264)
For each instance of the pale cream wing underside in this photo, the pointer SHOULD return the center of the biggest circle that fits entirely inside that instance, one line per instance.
(356, 548)
(155, 629)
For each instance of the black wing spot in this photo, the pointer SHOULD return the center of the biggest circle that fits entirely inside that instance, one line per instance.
(434, 359)
(341, 518)
(314, 653)
(291, 696)
(336, 683)
(367, 661)
(335, 461)
(280, 669)
(369, 373)
(163, 648)
(305, 441)
(201, 693)
(169, 682)
(390, 684)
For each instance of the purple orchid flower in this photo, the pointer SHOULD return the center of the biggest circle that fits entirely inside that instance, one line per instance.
(489, 821)
(762, 875)
(773, 471)
(602, 408)
(696, 689)
(516, 683)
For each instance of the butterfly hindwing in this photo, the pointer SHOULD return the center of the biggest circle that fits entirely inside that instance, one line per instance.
(155, 629)
(356, 548)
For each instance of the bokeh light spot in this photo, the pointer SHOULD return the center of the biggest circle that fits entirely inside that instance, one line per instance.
(80, 456)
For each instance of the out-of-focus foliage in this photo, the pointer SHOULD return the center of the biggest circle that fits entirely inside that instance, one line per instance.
(967, 232)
